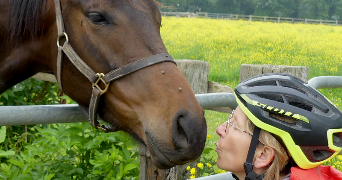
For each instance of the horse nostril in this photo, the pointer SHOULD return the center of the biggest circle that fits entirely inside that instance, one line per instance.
(189, 132)
(181, 137)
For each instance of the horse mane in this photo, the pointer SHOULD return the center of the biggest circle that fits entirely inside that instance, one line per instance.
(24, 19)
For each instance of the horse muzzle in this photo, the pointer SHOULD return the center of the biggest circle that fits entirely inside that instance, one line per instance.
(188, 141)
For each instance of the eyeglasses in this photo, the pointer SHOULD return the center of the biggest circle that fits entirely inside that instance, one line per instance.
(232, 125)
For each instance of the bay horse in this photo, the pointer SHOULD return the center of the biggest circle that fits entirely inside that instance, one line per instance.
(111, 60)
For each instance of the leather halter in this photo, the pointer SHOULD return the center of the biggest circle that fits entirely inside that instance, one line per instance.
(93, 77)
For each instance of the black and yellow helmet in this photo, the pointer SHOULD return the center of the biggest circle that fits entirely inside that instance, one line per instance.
(314, 134)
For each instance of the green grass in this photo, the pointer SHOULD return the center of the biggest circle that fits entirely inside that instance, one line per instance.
(214, 119)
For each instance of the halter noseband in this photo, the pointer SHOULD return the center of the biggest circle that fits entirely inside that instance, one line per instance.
(93, 77)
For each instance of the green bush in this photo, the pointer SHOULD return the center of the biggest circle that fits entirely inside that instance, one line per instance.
(72, 151)
(61, 151)
(31, 92)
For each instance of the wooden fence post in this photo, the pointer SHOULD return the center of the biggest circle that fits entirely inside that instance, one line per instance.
(147, 170)
(278, 19)
(264, 18)
(250, 18)
(196, 73)
(249, 70)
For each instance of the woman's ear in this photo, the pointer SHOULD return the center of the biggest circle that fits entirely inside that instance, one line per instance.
(263, 156)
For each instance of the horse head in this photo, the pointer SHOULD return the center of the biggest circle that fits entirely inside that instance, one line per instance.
(154, 104)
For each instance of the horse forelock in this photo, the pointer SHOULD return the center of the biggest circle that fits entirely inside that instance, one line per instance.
(24, 19)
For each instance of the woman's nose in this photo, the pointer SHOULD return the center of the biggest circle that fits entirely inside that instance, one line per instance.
(220, 129)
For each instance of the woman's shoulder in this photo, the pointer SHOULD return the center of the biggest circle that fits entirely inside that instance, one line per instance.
(319, 173)
(287, 177)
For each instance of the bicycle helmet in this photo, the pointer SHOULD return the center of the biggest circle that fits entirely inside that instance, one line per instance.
(314, 136)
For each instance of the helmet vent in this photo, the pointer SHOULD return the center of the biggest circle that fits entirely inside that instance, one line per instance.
(292, 86)
(285, 119)
(273, 97)
(321, 105)
(337, 139)
(317, 153)
(263, 83)
(321, 155)
(294, 101)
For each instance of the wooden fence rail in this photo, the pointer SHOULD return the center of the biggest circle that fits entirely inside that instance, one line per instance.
(252, 18)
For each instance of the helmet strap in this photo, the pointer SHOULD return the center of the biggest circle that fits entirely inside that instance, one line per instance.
(248, 165)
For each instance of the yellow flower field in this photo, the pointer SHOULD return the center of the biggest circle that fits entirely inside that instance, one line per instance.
(228, 44)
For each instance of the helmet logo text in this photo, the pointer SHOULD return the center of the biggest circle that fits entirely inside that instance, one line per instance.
(280, 111)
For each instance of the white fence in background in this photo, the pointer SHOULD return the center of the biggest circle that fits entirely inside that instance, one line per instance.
(252, 18)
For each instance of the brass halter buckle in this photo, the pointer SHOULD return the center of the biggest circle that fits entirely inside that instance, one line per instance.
(100, 78)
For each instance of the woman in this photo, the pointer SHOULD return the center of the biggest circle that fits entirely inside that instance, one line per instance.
(282, 129)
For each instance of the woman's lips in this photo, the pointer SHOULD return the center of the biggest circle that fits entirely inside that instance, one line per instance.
(217, 149)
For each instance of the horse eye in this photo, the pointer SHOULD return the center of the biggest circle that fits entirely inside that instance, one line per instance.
(97, 18)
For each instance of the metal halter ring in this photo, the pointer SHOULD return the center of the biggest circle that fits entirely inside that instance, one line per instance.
(66, 39)
(101, 75)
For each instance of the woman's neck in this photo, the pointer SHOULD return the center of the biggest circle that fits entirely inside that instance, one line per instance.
(240, 175)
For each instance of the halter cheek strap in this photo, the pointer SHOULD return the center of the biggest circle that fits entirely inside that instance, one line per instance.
(248, 165)
(92, 76)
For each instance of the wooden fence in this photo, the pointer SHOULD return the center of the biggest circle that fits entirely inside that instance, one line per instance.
(252, 18)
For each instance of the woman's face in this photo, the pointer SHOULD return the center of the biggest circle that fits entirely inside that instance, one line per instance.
(233, 145)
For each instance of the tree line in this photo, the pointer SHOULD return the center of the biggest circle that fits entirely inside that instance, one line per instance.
(308, 9)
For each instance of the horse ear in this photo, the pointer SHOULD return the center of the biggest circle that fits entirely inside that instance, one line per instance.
(263, 157)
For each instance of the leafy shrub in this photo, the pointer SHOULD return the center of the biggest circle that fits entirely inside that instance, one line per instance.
(61, 151)
(73, 151)
(31, 92)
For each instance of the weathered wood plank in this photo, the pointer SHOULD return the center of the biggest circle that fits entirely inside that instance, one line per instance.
(249, 70)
